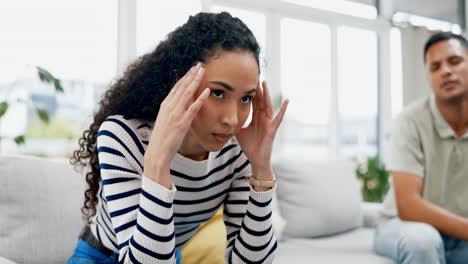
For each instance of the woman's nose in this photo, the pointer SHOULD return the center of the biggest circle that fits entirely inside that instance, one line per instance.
(229, 116)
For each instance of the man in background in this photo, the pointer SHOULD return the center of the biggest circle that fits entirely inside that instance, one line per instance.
(425, 215)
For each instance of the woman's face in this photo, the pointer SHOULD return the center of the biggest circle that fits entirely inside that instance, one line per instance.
(232, 77)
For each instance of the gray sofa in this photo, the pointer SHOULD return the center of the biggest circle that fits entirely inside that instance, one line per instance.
(326, 220)
(40, 218)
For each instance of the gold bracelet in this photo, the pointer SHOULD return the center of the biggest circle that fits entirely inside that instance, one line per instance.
(257, 183)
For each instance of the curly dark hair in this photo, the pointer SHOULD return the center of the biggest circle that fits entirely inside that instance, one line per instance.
(146, 83)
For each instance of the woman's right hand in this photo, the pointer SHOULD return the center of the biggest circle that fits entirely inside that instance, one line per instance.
(172, 124)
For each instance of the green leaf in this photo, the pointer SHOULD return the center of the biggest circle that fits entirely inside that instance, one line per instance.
(3, 108)
(43, 115)
(44, 75)
(58, 86)
(375, 179)
(19, 140)
(47, 77)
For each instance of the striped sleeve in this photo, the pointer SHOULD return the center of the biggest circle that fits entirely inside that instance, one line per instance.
(141, 210)
(247, 216)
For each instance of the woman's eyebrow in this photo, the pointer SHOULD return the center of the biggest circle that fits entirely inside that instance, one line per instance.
(251, 91)
(225, 85)
(229, 88)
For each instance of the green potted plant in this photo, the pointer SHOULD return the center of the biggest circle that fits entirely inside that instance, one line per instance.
(374, 179)
(45, 77)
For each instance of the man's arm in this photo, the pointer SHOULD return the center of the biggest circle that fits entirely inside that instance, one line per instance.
(412, 207)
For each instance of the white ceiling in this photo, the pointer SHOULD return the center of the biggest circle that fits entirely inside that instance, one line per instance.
(439, 9)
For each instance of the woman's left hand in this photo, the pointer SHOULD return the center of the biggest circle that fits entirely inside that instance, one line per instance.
(256, 140)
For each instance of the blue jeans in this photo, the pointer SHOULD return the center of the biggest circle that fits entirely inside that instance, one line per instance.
(86, 254)
(414, 242)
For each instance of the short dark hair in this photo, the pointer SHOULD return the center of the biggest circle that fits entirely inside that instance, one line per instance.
(441, 36)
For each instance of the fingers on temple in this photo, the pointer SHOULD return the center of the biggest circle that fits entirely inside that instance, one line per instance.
(195, 106)
(258, 104)
(193, 85)
(267, 100)
(181, 85)
(181, 81)
(279, 117)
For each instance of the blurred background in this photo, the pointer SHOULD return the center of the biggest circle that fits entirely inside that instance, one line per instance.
(348, 67)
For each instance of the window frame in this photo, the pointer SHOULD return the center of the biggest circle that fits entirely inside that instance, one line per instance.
(276, 10)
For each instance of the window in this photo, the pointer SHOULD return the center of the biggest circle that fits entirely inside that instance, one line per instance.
(155, 19)
(306, 81)
(396, 68)
(316, 62)
(75, 41)
(357, 91)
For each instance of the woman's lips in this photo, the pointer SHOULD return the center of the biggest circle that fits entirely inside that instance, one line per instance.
(222, 138)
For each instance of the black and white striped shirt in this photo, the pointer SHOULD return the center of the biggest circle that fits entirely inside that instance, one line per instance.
(146, 222)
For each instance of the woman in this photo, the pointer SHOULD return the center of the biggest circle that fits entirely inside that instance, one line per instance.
(167, 149)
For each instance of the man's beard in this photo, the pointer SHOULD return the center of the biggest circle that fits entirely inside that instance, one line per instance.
(454, 99)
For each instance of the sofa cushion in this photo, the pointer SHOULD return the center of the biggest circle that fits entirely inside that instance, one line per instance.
(317, 198)
(5, 261)
(40, 203)
(353, 247)
(209, 243)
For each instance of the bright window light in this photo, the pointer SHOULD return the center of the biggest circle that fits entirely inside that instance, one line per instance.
(357, 91)
(306, 82)
(155, 19)
(306, 70)
(397, 72)
(75, 41)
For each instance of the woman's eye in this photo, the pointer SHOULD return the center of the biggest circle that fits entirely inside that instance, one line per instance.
(217, 93)
(246, 99)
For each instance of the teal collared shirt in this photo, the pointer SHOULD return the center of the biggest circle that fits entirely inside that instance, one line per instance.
(423, 144)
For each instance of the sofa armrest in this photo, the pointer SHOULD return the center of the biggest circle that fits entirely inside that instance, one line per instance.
(370, 213)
